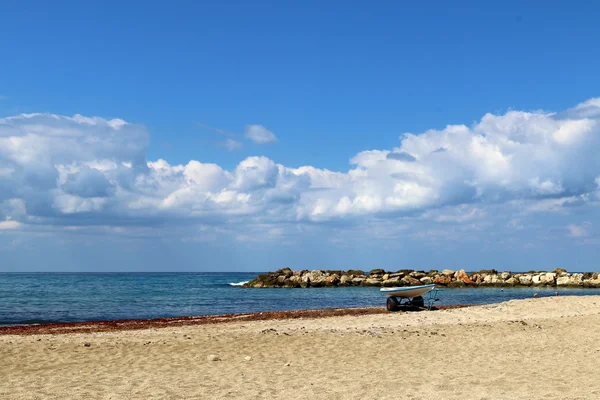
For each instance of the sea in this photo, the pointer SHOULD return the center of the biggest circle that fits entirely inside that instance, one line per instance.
(38, 298)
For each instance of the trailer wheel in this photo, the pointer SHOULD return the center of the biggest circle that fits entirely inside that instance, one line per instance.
(392, 304)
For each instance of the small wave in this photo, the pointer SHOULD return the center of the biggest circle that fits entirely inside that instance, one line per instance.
(242, 283)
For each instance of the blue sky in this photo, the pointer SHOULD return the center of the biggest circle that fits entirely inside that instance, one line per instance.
(253, 135)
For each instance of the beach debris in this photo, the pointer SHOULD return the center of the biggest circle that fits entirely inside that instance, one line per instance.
(87, 345)
(247, 358)
(287, 364)
(213, 357)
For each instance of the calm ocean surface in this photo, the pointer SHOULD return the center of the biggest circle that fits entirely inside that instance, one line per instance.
(66, 297)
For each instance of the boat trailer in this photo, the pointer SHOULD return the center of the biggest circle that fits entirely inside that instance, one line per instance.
(397, 302)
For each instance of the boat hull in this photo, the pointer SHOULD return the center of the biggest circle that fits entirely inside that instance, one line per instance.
(408, 291)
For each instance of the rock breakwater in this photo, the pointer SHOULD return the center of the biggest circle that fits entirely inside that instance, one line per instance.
(286, 278)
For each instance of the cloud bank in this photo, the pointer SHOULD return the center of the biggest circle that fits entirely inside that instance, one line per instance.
(63, 171)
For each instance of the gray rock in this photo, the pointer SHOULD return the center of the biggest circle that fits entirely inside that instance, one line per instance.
(426, 280)
(549, 278)
(525, 280)
(563, 281)
(358, 280)
(371, 282)
(512, 281)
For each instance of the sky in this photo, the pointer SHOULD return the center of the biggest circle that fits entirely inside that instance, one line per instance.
(251, 136)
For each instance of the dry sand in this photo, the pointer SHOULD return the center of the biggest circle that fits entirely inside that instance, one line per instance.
(546, 348)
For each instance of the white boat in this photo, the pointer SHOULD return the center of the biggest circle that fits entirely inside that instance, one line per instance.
(408, 291)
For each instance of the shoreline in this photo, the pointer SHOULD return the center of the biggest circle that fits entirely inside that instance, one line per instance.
(62, 328)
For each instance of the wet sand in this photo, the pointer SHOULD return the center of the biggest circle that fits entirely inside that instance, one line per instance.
(537, 348)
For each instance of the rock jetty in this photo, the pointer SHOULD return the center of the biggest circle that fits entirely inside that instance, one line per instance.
(286, 278)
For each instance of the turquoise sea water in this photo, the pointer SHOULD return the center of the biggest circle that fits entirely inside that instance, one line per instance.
(68, 297)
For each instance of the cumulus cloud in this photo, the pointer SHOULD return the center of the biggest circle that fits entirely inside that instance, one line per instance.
(77, 171)
(259, 134)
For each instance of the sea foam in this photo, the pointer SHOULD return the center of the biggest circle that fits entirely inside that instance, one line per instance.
(238, 283)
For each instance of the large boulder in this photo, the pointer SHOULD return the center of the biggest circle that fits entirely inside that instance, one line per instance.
(576, 280)
(448, 272)
(391, 282)
(332, 280)
(317, 278)
(525, 280)
(356, 272)
(442, 280)
(563, 280)
(265, 280)
(462, 276)
(345, 280)
(560, 271)
(410, 281)
(358, 280)
(492, 279)
(512, 281)
(549, 278)
(293, 281)
(287, 272)
(592, 283)
(372, 282)
(377, 271)
(570, 280)
(426, 280)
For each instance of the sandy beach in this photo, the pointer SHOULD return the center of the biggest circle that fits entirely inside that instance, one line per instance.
(539, 348)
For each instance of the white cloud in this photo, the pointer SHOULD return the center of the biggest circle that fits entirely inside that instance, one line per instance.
(578, 230)
(259, 134)
(78, 171)
(9, 224)
(232, 145)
